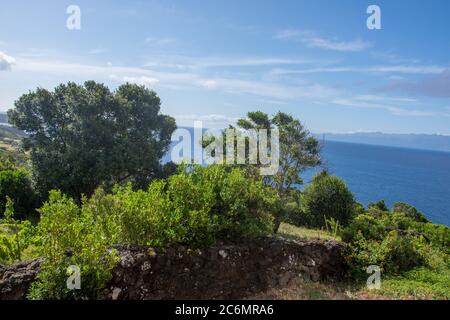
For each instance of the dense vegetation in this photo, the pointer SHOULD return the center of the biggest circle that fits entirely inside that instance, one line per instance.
(92, 179)
(80, 137)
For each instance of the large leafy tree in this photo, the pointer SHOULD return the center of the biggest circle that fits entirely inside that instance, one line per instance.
(83, 136)
(298, 151)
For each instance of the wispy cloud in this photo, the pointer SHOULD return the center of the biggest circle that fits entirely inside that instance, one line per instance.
(207, 117)
(313, 41)
(359, 102)
(98, 50)
(6, 61)
(434, 86)
(403, 69)
(160, 41)
(392, 57)
(356, 45)
(142, 80)
(230, 84)
(188, 62)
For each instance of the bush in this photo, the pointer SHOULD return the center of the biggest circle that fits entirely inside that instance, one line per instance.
(409, 211)
(327, 197)
(15, 236)
(71, 236)
(16, 184)
(394, 241)
(196, 207)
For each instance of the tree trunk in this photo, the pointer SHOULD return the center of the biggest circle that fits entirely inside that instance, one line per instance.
(276, 224)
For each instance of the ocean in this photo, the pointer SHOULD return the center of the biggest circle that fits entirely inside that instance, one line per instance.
(418, 177)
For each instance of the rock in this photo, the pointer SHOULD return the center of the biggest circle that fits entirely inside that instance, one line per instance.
(223, 254)
(284, 279)
(15, 280)
(230, 271)
(223, 271)
(116, 293)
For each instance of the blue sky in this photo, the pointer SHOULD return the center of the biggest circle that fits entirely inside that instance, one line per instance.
(216, 60)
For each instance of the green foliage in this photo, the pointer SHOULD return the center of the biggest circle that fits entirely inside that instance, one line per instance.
(81, 137)
(419, 283)
(298, 151)
(395, 241)
(409, 211)
(71, 236)
(327, 197)
(16, 184)
(197, 206)
(15, 236)
(332, 226)
(380, 205)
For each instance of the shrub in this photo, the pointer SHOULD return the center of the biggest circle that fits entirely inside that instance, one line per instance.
(394, 241)
(327, 197)
(380, 205)
(16, 184)
(409, 211)
(15, 236)
(71, 237)
(196, 207)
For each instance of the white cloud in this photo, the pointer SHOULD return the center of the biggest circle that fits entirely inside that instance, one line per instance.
(98, 50)
(160, 41)
(403, 69)
(207, 117)
(186, 62)
(149, 77)
(369, 97)
(287, 34)
(142, 80)
(356, 45)
(209, 83)
(6, 62)
(395, 110)
(313, 41)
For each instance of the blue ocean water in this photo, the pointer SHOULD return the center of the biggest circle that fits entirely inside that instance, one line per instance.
(418, 177)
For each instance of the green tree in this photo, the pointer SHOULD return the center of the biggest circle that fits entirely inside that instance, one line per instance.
(380, 205)
(16, 184)
(83, 136)
(298, 151)
(409, 211)
(327, 197)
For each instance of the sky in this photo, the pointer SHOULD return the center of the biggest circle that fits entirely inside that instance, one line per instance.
(213, 61)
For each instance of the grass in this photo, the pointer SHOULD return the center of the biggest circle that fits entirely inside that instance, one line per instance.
(419, 283)
(416, 284)
(292, 232)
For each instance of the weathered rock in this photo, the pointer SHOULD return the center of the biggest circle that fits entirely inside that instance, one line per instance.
(16, 279)
(223, 271)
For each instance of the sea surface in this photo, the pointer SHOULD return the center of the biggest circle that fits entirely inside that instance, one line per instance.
(418, 177)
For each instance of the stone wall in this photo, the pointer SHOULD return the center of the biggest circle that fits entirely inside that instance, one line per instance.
(223, 271)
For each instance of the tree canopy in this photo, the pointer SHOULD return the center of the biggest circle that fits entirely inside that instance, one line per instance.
(83, 136)
(298, 151)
